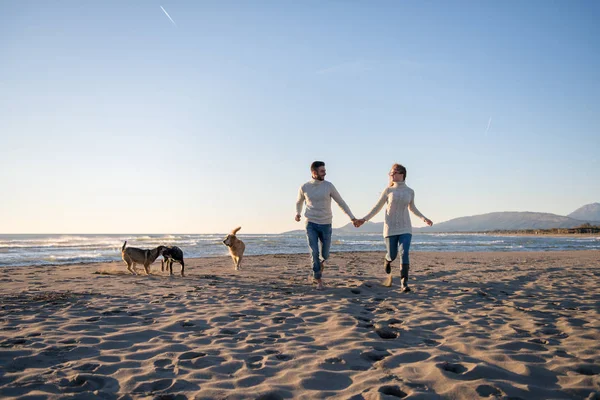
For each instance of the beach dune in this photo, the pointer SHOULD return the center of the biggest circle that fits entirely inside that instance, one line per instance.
(477, 325)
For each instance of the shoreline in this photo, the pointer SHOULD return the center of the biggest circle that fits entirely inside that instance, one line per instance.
(52, 251)
(561, 235)
(305, 253)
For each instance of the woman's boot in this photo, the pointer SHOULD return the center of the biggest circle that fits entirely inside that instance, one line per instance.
(387, 265)
(404, 277)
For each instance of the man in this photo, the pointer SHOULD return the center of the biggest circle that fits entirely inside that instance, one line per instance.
(317, 194)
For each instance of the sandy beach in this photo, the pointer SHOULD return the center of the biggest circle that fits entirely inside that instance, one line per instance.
(476, 325)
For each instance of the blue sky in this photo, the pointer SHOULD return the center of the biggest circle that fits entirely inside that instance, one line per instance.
(113, 119)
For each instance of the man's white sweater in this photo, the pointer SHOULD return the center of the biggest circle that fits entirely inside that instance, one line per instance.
(317, 195)
(399, 198)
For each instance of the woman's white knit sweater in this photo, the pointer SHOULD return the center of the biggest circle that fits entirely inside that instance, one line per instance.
(399, 198)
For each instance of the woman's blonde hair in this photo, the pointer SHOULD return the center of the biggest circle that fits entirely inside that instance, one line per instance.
(397, 168)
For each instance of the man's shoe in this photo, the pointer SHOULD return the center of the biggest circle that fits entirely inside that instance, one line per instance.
(405, 289)
(388, 266)
(320, 285)
(388, 281)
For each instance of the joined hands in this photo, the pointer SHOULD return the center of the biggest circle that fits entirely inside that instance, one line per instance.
(358, 222)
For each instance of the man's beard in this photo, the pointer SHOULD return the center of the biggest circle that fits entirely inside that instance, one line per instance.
(320, 178)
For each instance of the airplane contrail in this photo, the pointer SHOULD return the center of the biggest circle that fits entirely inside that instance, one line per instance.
(168, 16)
(488, 127)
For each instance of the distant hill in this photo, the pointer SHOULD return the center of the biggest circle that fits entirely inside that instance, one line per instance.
(506, 220)
(589, 212)
(368, 227)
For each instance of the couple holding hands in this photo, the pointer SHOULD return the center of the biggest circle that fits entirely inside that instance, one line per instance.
(317, 194)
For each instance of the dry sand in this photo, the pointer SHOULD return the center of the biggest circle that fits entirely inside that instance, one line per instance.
(497, 325)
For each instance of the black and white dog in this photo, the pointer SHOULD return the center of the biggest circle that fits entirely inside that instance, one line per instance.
(170, 254)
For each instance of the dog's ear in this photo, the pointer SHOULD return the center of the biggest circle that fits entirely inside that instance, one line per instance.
(233, 232)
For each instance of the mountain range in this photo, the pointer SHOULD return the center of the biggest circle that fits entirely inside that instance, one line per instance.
(505, 220)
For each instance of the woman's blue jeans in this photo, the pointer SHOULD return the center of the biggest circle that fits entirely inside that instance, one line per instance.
(393, 242)
(316, 233)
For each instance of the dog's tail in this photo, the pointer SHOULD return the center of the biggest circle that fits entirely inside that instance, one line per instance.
(233, 232)
(124, 244)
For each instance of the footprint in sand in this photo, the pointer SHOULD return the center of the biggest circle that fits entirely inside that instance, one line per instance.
(170, 397)
(375, 355)
(162, 363)
(392, 390)
(86, 383)
(363, 322)
(562, 353)
(254, 362)
(577, 322)
(554, 332)
(385, 332)
(13, 342)
(488, 391)
(112, 312)
(520, 333)
(133, 313)
(539, 341)
(283, 357)
(87, 367)
(588, 369)
(452, 367)
(319, 379)
(154, 386)
(272, 396)
(190, 355)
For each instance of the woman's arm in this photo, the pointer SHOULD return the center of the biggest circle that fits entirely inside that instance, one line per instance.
(415, 210)
(380, 203)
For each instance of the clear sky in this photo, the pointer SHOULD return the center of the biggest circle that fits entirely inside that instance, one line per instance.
(115, 119)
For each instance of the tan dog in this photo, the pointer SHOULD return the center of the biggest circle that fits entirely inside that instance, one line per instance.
(236, 247)
(133, 255)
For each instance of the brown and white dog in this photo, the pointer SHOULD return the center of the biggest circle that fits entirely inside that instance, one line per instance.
(236, 247)
(133, 255)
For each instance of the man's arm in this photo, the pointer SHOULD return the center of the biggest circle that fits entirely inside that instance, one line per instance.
(299, 203)
(335, 195)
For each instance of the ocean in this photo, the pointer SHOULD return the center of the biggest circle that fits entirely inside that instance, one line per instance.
(17, 250)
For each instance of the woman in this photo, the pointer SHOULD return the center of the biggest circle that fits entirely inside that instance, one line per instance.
(397, 229)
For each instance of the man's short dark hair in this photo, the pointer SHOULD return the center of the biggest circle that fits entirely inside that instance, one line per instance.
(316, 165)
